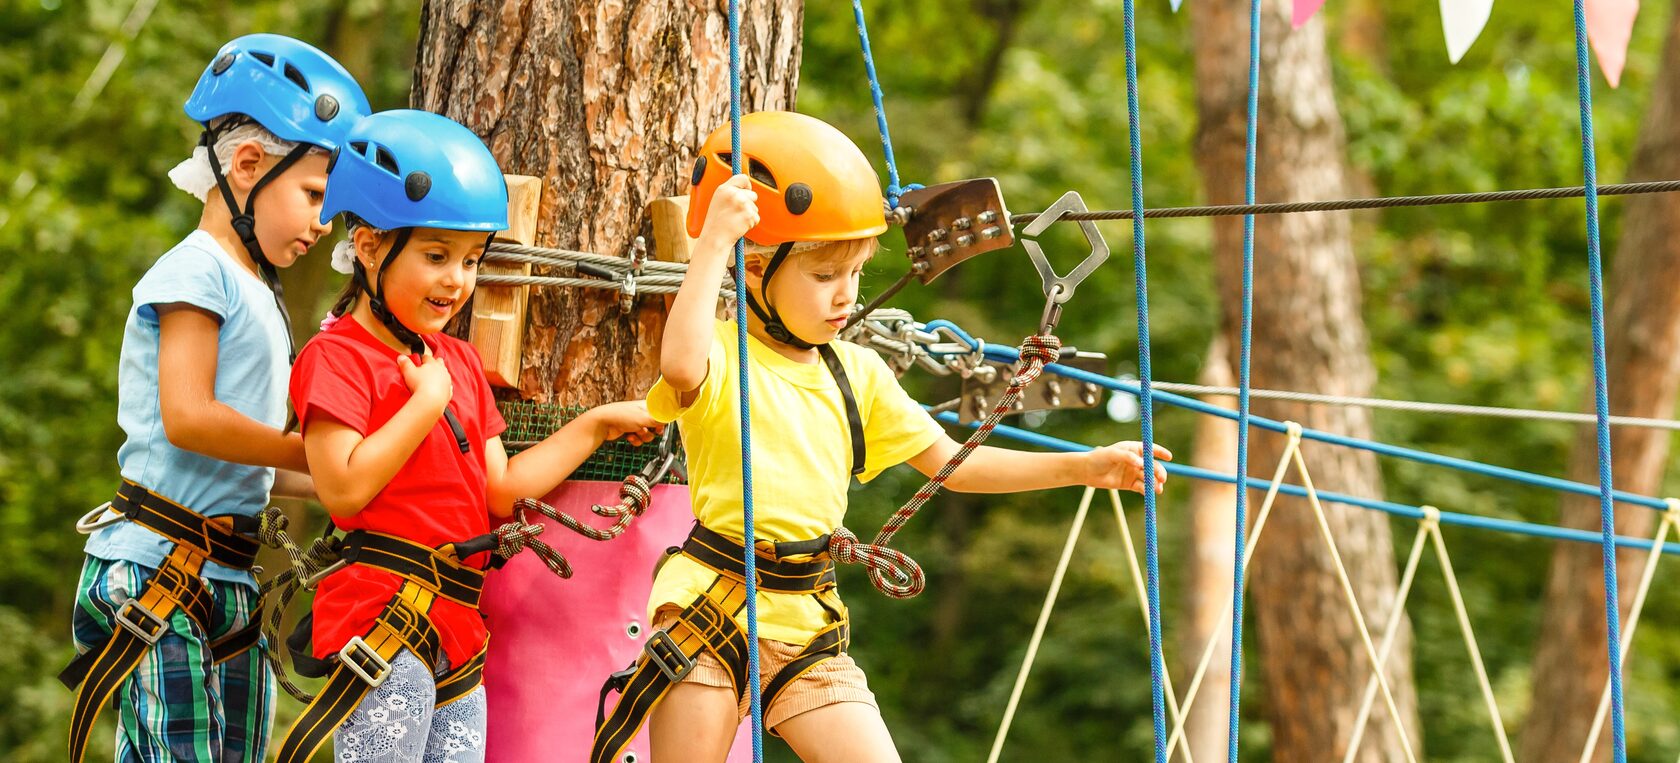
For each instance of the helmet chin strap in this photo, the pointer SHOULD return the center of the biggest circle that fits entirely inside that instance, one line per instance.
(375, 290)
(244, 221)
(767, 313)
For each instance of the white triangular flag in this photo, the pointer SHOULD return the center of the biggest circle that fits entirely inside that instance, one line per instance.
(1463, 20)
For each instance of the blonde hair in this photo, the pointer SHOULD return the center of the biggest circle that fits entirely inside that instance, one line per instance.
(825, 252)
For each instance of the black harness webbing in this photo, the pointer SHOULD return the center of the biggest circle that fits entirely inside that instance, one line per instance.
(365, 661)
(144, 619)
(708, 625)
(854, 418)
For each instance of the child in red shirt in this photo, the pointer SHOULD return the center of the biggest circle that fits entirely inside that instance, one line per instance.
(402, 435)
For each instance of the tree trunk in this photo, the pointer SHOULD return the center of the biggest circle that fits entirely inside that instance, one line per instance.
(1213, 533)
(1643, 355)
(606, 102)
(1311, 336)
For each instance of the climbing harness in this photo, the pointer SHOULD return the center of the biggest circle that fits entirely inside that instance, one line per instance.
(176, 587)
(708, 626)
(428, 574)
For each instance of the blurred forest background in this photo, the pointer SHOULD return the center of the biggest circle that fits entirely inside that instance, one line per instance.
(1479, 305)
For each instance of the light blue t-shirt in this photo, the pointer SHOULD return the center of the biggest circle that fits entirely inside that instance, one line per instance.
(252, 370)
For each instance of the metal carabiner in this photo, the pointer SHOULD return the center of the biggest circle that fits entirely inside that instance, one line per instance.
(1058, 289)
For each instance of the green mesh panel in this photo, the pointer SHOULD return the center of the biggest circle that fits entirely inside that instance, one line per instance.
(529, 423)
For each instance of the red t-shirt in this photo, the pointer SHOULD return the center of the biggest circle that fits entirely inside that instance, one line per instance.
(438, 496)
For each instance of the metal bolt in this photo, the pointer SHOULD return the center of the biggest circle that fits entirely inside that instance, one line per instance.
(965, 240)
(1090, 394)
(988, 216)
(942, 250)
(961, 223)
(1053, 393)
(1020, 404)
(937, 234)
(991, 233)
(916, 252)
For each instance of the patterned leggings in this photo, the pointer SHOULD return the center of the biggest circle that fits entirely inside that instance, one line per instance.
(397, 722)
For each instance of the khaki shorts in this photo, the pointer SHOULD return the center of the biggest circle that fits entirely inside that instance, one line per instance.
(831, 682)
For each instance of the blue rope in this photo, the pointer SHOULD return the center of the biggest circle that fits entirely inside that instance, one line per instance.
(1243, 378)
(747, 531)
(1601, 387)
(893, 190)
(1140, 269)
(1009, 355)
(1512, 527)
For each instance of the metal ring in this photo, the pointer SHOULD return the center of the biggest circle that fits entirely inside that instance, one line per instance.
(92, 521)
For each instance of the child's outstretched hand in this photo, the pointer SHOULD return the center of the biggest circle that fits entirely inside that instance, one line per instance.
(427, 379)
(1120, 466)
(628, 419)
(733, 212)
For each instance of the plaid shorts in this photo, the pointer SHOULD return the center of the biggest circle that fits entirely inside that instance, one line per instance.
(177, 705)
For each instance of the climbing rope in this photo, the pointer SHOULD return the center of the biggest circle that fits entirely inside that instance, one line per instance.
(904, 579)
(893, 189)
(1601, 386)
(740, 271)
(1050, 597)
(1140, 269)
(1239, 565)
(1345, 205)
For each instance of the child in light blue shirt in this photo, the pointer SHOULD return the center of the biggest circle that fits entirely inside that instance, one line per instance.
(167, 609)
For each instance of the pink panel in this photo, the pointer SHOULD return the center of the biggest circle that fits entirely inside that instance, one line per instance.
(553, 642)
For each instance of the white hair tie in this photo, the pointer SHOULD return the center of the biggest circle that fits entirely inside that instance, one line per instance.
(344, 257)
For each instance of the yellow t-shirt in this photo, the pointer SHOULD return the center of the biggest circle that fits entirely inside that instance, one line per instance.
(802, 458)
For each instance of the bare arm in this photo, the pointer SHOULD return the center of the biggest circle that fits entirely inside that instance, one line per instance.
(688, 328)
(537, 471)
(193, 419)
(290, 484)
(350, 469)
(997, 470)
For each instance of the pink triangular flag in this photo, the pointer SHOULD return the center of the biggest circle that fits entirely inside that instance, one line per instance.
(1609, 25)
(1304, 9)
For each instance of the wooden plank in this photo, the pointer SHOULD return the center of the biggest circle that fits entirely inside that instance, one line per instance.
(670, 229)
(498, 320)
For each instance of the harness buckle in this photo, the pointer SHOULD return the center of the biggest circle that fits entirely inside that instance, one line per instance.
(355, 649)
(102, 516)
(135, 618)
(663, 652)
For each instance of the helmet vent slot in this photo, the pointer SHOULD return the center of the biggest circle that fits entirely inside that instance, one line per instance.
(385, 160)
(296, 77)
(267, 58)
(755, 170)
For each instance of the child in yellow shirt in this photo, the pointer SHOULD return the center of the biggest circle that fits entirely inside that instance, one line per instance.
(810, 207)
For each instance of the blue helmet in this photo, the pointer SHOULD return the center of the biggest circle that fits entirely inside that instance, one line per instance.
(289, 87)
(411, 169)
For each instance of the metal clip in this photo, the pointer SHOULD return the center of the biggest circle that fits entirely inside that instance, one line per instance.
(1059, 289)
(356, 647)
(95, 519)
(655, 470)
(310, 582)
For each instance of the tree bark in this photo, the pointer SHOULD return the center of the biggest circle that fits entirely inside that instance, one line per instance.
(606, 102)
(1311, 336)
(1213, 533)
(1643, 356)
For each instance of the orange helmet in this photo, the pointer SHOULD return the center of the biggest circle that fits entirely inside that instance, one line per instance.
(813, 183)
